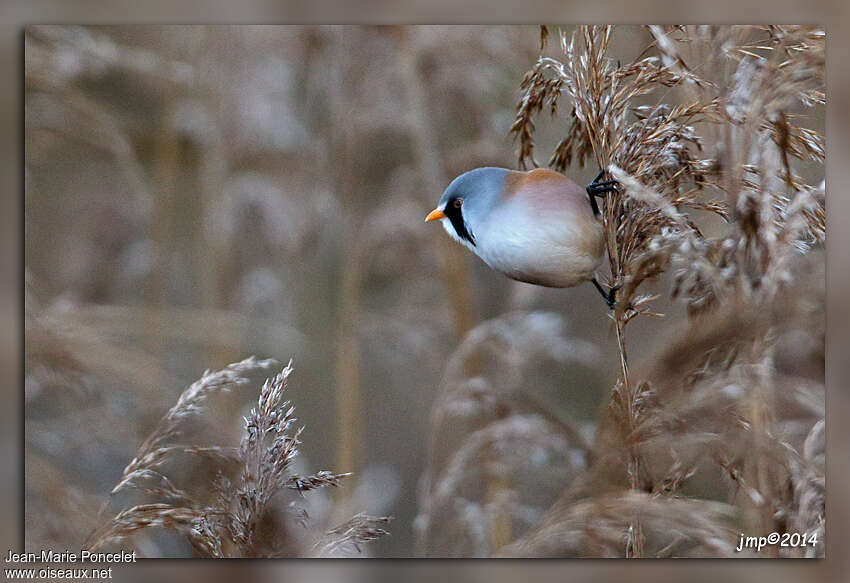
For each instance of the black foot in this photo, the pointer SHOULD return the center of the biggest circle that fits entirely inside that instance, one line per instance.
(599, 188)
(610, 296)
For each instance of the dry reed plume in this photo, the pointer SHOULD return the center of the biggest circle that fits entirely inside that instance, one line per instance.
(238, 517)
(718, 435)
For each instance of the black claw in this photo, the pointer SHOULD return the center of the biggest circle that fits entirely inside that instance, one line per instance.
(600, 188)
(610, 296)
(597, 188)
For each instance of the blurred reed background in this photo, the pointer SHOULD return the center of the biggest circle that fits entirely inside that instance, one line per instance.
(198, 194)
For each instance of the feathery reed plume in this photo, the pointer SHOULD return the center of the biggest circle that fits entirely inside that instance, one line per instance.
(665, 171)
(650, 144)
(240, 519)
(354, 532)
(142, 472)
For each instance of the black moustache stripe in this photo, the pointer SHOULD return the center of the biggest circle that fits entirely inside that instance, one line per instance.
(456, 217)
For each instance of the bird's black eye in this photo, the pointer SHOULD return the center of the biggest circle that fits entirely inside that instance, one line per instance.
(458, 202)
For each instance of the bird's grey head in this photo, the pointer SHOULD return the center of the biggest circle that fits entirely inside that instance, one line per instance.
(468, 200)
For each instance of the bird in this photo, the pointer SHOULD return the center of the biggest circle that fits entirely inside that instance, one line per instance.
(535, 226)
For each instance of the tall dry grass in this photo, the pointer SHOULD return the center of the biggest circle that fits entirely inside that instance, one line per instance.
(240, 515)
(719, 434)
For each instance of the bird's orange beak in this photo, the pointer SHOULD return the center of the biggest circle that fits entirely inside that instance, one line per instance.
(434, 215)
